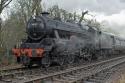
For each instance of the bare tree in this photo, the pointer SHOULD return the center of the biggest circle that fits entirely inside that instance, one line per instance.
(3, 4)
(82, 17)
(28, 8)
(61, 14)
(36, 7)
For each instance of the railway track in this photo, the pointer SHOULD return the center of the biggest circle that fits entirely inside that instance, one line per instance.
(79, 74)
(107, 75)
(8, 75)
(65, 74)
(11, 68)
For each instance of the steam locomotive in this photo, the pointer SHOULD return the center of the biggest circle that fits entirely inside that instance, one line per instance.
(51, 40)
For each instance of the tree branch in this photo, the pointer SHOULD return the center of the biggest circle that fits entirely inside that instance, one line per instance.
(6, 3)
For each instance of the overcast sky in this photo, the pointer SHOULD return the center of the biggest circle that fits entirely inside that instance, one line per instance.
(112, 11)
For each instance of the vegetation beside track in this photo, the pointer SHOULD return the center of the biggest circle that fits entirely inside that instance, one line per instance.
(6, 58)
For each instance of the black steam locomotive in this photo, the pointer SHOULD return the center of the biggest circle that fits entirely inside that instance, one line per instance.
(51, 40)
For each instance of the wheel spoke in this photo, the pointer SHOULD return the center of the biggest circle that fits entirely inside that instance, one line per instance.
(70, 59)
(60, 60)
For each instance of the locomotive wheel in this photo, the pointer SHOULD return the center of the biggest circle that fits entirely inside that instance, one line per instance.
(70, 59)
(29, 65)
(61, 60)
(77, 59)
(89, 58)
(45, 61)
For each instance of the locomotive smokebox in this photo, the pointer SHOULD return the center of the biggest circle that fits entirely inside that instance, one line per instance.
(36, 28)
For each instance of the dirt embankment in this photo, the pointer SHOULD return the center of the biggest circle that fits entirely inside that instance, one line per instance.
(118, 77)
